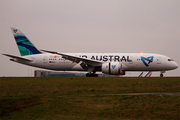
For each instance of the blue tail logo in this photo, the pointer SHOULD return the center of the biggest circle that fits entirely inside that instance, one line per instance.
(15, 30)
(147, 60)
(113, 66)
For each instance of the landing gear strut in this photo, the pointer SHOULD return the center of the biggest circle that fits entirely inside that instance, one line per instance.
(161, 75)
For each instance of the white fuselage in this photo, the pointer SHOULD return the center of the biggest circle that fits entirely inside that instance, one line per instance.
(130, 61)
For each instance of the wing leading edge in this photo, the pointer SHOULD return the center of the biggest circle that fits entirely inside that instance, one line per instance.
(88, 62)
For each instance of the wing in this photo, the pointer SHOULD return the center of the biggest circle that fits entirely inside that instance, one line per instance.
(84, 61)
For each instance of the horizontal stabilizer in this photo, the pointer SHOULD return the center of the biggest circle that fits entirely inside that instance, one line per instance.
(19, 58)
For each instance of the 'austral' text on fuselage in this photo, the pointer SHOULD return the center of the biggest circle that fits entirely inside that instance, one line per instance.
(109, 57)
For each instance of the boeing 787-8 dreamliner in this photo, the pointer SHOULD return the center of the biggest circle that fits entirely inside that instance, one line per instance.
(108, 63)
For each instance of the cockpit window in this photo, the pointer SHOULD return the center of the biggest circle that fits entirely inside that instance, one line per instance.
(170, 60)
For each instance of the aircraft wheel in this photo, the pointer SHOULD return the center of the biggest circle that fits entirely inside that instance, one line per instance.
(95, 75)
(87, 75)
(161, 75)
(91, 75)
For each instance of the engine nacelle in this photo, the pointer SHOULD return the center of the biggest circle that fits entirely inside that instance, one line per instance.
(113, 68)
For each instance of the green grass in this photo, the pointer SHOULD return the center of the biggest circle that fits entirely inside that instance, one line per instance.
(75, 98)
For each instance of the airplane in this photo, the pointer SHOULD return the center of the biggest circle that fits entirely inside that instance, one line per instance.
(108, 63)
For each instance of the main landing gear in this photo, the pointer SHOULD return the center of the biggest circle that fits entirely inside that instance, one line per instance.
(91, 75)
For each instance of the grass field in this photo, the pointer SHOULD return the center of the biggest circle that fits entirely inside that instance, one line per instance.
(86, 98)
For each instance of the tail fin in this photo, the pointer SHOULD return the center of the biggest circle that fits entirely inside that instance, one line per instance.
(24, 45)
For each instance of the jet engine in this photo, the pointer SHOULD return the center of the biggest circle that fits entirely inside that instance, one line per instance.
(113, 68)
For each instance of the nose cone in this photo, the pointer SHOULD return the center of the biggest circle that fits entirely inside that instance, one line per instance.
(172, 65)
(175, 65)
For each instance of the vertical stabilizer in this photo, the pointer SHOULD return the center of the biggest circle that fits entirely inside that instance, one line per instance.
(24, 45)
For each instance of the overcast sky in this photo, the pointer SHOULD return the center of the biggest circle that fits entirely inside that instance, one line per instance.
(115, 26)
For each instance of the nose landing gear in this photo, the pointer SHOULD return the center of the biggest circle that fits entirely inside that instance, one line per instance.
(161, 75)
